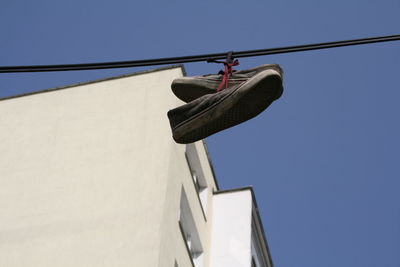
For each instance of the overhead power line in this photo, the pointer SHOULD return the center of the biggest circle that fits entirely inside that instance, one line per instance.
(196, 58)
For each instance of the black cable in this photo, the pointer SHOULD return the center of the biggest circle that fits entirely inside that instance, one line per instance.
(196, 58)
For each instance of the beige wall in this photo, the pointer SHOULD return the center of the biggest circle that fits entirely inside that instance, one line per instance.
(90, 176)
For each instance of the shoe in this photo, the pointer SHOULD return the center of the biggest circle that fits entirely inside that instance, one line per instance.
(191, 88)
(212, 113)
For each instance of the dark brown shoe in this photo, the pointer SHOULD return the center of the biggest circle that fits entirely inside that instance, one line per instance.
(213, 113)
(191, 88)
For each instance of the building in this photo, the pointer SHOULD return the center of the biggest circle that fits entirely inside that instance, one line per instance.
(90, 176)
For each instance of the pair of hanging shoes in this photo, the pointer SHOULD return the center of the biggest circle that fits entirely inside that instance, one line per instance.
(208, 111)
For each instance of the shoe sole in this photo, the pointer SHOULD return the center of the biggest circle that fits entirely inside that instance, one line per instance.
(261, 90)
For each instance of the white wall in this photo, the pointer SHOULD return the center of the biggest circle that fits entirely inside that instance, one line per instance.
(231, 229)
(84, 173)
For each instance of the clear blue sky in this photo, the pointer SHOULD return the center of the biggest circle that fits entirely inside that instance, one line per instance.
(324, 159)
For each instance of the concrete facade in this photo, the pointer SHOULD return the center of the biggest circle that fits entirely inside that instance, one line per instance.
(90, 176)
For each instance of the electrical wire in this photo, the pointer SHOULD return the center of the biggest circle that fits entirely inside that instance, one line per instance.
(196, 58)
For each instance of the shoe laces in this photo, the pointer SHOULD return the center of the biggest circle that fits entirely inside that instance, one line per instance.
(229, 63)
(227, 73)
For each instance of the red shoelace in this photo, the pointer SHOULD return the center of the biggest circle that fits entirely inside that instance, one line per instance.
(227, 74)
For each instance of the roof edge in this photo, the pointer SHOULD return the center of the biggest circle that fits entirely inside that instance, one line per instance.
(97, 80)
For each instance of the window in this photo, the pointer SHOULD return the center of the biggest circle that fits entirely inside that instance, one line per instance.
(196, 171)
(189, 232)
(253, 262)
